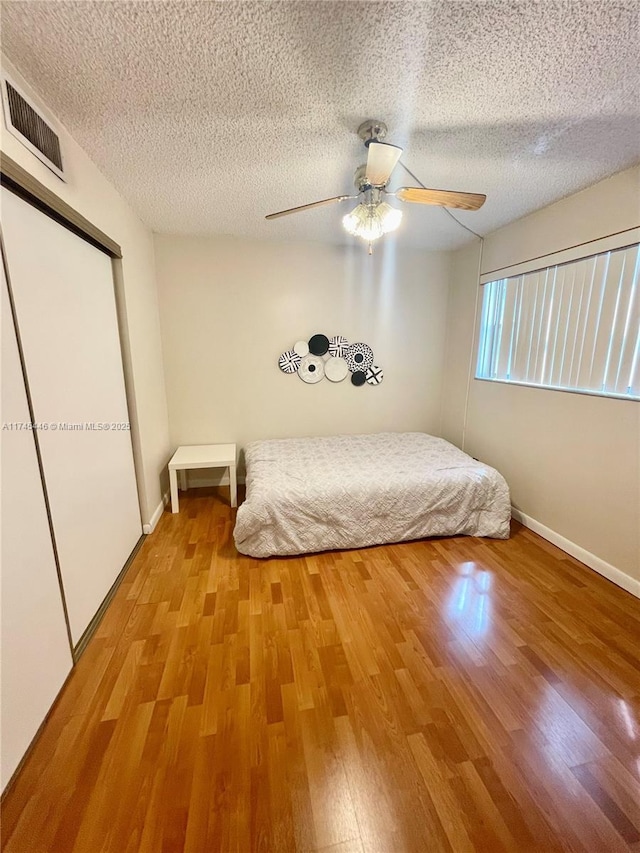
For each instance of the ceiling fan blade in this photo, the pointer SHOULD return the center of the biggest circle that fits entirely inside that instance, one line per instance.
(381, 161)
(444, 198)
(309, 206)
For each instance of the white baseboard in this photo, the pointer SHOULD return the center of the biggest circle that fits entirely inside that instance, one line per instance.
(596, 563)
(155, 518)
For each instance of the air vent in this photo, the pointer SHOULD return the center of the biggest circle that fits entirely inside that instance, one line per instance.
(26, 123)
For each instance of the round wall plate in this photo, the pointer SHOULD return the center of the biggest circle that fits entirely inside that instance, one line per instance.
(358, 378)
(374, 374)
(289, 361)
(318, 344)
(311, 369)
(338, 345)
(301, 348)
(359, 357)
(336, 369)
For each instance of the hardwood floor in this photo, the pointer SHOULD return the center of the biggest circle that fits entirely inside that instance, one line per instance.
(444, 695)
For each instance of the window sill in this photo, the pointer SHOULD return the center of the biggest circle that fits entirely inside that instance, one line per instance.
(611, 396)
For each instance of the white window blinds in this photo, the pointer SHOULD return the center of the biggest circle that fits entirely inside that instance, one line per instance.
(574, 326)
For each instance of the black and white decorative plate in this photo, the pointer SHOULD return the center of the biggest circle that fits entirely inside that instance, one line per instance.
(289, 361)
(358, 377)
(374, 375)
(318, 344)
(338, 346)
(359, 357)
(311, 369)
(336, 369)
(301, 348)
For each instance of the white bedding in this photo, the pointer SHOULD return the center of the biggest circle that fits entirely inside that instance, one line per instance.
(351, 491)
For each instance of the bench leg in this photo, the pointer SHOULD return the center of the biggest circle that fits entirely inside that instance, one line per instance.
(233, 486)
(183, 480)
(173, 480)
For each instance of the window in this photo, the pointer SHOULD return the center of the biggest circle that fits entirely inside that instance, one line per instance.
(574, 326)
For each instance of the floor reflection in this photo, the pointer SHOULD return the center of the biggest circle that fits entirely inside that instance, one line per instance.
(627, 719)
(470, 603)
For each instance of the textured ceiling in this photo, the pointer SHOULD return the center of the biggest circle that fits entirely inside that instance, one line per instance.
(208, 115)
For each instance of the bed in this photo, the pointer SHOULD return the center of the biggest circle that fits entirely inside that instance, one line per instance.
(352, 491)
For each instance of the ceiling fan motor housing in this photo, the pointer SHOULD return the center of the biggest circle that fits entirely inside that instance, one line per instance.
(360, 178)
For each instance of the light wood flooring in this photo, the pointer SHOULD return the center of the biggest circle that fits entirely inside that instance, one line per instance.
(442, 695)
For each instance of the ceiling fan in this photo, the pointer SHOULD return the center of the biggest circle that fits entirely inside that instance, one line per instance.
(373, 216)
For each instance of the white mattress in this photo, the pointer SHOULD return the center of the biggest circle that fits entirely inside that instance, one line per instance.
(351, 491)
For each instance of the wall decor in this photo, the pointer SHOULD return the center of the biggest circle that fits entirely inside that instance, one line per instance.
(319, 344)
(334, 358)
(289, 361)
(336, 369)
(311, 369)
(374, 375)
(301, 348)
(338, 346)
(359, 357)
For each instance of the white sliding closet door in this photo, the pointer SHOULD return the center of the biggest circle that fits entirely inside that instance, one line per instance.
(36, 655)
(65, 305)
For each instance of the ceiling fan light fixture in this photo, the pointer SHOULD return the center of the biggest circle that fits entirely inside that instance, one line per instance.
(370, 221)
(361, 222)
(391, 217)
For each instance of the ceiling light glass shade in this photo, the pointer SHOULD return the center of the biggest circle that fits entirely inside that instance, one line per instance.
(391, 216)
(371, 221)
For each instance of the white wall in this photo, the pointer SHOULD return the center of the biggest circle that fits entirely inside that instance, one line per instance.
(459, 335)
(230, 306)
(90, 193)
(572, 461)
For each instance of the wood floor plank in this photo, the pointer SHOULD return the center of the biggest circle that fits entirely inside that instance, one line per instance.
(442, 695)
